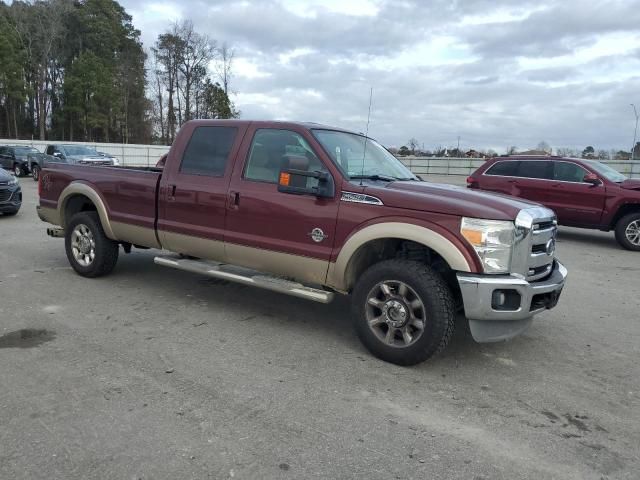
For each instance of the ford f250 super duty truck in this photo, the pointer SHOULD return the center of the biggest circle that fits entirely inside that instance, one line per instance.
(314, 211)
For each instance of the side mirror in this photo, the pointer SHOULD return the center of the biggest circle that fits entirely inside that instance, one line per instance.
(57, 154)
(592, 178)
(289, 181)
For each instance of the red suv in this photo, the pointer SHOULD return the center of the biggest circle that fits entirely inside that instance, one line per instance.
(583, 193)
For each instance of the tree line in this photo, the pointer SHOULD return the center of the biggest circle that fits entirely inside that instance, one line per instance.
(76, 70)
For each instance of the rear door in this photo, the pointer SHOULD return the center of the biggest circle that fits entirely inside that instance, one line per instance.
(192, 197)
(500, 177)
(574, 201)
(4, 158)
(533, 180)
(278, 232)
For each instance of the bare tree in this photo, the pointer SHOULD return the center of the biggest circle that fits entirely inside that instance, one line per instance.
(512, 150)
(223, 66)
(544, 147)
(413, 144)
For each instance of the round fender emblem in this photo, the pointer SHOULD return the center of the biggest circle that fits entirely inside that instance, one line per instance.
(317, 235)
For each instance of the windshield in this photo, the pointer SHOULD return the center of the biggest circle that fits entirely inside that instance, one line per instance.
(79, 150)
(606, 171)
(347, 150)
(25, 150)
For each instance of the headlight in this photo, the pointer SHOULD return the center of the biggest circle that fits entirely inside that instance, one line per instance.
(492, 240)
(13, 181)
(116, 161)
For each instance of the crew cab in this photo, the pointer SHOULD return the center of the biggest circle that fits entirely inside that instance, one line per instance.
(583, 193)
(316, 211)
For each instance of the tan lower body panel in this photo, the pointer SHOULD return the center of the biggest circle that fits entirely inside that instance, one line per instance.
(49, 215)
(194, 246)
(143, 236)
(303, 269)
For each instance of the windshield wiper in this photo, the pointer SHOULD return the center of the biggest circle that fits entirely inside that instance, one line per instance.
(384, 178)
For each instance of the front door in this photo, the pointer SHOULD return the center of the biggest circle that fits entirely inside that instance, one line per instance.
(574, 201)
(275, 232)
(192, 197)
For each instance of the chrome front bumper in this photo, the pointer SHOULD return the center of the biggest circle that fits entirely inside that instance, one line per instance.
(492, 323)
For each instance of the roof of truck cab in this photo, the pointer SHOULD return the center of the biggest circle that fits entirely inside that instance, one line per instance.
(273, 124)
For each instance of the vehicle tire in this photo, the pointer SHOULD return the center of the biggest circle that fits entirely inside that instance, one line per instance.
(17, 170)
(403, 311)
(35, 172)
(90, 252)
(10, 214)
(628, 231)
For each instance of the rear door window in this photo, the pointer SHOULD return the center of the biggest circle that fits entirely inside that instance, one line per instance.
(208, 151)
(503, 169)
(539, 169)
(568, 172)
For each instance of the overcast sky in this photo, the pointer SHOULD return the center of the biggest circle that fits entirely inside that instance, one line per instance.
(494, 72)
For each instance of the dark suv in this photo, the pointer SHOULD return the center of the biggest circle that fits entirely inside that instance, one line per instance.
(16, 158)
(583, 193)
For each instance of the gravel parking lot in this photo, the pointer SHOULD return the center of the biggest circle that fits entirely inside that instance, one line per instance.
(156, 373)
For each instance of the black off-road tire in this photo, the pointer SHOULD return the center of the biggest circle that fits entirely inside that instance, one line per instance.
(436, 298)
(621, 228)
(106, 250)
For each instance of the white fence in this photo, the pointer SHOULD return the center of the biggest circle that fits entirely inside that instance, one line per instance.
(148, 155)
(128, 154)
(466, 166)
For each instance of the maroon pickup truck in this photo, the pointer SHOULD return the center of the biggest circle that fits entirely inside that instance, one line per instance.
(583, 193)
(313, 211)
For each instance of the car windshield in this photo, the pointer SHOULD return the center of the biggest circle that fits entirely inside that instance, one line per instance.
(79, 150)
(358, 156)
(606, 171)
(25, 150)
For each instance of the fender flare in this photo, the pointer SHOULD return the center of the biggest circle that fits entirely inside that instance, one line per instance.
(337, 274)
(78, 188)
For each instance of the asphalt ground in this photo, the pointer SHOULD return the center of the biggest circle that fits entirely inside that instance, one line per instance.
(152, 373)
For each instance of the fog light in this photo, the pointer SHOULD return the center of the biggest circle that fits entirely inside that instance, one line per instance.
(505, 300)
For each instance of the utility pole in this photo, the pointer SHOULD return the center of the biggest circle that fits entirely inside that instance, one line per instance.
(635, 132)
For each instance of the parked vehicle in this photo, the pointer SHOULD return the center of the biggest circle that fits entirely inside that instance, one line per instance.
(10, 194)
(15, 158)
(583, 193)
(312, 211)
(37, 162)
(80, 154)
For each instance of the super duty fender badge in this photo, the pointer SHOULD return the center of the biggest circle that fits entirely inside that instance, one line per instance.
(360, 198)
(317, 235)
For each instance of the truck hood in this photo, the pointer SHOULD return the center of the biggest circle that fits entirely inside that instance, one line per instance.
(631, 184)
(449, 199)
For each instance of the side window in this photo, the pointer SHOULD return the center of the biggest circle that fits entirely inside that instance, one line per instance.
(540, 169)
(208, 151)
(568, 172)
(49, 150)
(503, 169)
(274, 150)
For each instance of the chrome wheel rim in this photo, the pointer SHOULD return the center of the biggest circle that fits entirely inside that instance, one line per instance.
(395, 313)
(34, 172)
(83, 245)
(632, 232)
(17, 170)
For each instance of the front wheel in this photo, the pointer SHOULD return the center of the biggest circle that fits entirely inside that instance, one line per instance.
(628, 231)
(35, 172)
(90, 252)
(403, 311)
(17, 170)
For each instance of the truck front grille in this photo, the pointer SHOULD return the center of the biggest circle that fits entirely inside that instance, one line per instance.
(534, 251)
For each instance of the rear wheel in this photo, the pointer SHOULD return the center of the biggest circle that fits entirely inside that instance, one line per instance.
(403, 311)
(35, 172)
(628, 231)
(90, 252)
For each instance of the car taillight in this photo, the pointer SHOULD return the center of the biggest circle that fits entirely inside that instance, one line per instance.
(472, 182)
